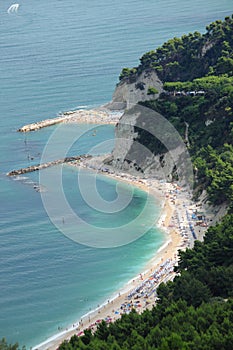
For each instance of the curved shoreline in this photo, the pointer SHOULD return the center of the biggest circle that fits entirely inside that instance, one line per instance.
(167, 252)
(172, 220)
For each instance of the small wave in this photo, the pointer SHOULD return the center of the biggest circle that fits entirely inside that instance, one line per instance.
(29, 182)
(20, 178)
(82, 107)
(91, 106)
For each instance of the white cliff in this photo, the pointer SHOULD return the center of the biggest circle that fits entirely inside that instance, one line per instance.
(127, 94)
(148, 145)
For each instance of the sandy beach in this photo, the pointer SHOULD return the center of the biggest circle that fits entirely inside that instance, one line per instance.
(92, 116)
(140, 292)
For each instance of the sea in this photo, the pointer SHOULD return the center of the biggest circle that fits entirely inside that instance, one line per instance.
(59, 56)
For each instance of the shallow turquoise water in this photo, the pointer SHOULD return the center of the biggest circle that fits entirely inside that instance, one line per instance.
(57, 56)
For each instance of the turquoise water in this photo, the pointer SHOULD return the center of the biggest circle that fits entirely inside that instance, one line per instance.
(57, 56)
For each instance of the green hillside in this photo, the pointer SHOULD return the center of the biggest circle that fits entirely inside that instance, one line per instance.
(191, 56)
(199, 95)
(195, 311)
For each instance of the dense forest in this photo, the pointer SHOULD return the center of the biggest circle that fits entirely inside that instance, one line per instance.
(209, 118)
(195, 311)
(191, 56)
(203, 103)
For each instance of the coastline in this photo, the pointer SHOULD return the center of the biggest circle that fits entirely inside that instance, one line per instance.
(38, 87)
(174, 220)
(99, 115)
(159, 269)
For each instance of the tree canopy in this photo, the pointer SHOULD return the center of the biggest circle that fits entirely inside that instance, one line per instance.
(195, 311)
(191, 56)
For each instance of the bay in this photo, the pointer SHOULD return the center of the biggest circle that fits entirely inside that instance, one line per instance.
(58, 56)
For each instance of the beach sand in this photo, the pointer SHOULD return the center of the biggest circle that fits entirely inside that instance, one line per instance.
(175, 220)
(140, 292)
(99, 115)
(94, 116)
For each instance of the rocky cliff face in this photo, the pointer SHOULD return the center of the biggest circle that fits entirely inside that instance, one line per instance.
(148, 145)
(128, 94)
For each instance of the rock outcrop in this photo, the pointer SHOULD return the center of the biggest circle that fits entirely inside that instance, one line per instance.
(148, 145)
(128, 94)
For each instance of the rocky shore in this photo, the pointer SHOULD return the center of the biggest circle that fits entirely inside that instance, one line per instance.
(46, 165)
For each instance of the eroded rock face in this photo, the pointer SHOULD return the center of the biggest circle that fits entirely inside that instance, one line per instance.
(148, 145)
(128, 94)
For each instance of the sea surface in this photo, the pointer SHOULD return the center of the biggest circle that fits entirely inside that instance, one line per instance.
(57, 56)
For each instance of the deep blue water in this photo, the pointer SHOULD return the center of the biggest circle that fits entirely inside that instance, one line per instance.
(57, 56)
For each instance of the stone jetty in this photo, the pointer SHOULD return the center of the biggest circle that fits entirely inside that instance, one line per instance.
(91, 116)
(44, 123)
(46, 165)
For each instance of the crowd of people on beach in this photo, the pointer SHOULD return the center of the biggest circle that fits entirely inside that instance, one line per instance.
(144, 294)
(141, 297)
(182, 222)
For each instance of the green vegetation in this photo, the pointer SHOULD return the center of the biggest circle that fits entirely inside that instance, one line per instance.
(129, 74)
(197, 72)
(191, 56)
(193, 312)
(152, 90)
(215, 170)
(218, 85)
(210, 120)
(204, 103)
(5, 346)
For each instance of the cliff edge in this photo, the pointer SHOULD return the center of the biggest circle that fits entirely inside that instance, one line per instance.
(148, 145)
(146, 86)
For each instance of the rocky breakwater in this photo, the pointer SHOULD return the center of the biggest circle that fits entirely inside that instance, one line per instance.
(44, 123)
(92, 116)
(46, 165)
